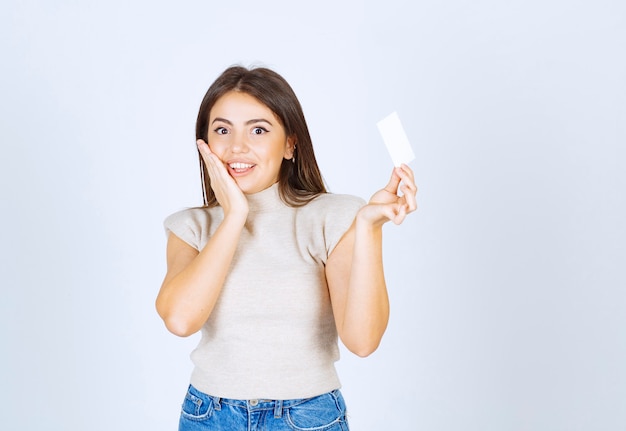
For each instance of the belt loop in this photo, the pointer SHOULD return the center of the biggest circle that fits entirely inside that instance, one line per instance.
(216, 403)
(278, 408)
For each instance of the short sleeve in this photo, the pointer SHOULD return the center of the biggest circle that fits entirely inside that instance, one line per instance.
(339, 217)
(324, 221)
(191, 225)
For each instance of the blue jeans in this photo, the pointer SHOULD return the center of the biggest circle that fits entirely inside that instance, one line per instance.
(201, 412)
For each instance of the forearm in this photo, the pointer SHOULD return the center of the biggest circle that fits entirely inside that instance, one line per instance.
(354, 270)
(187, 298)
(367, 304)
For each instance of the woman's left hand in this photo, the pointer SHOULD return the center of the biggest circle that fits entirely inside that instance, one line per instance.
(388, 204)
(354, 270)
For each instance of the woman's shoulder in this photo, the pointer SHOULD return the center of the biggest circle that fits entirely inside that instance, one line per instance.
(190, 215)
(329, 206)
(193, 225)
(335, 200)
(325, 220)
(196, 219)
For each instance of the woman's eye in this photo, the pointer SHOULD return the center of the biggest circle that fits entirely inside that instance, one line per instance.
(221, 131)
(258, 130)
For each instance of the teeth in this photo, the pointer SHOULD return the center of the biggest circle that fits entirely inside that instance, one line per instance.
(240, 165)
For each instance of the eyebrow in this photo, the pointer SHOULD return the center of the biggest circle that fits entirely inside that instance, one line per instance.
(252, 121)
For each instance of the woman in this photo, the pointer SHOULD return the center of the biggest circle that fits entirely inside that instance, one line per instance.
(272, 268)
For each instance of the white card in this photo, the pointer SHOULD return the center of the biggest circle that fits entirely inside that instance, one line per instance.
(395, 139)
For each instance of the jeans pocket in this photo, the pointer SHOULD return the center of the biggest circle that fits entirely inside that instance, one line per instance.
(324, 412)
(197, 406)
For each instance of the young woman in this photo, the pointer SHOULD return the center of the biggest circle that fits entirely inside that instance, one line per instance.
(272, 268)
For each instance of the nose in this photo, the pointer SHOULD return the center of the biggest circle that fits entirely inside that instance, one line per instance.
(239, 143)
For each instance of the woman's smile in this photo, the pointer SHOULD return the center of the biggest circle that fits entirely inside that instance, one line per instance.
(240, 168)
(249, 139)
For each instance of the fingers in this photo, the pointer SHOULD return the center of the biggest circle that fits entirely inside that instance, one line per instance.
(394, 182)
(226, 190)
(203, 147)
(380, 213)
(406, 176)
(408, 187)
(402, 185)
(208, 157)
(217, 172)
(398, 213)
(408, 193)
(214, 165)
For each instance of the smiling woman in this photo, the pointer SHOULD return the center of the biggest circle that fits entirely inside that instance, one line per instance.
(250, 139)
(272, 269)
(297, 184)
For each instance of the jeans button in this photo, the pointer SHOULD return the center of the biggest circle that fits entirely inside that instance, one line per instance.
(254, 402)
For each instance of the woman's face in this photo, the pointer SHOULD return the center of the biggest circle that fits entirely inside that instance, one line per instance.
(249, 139)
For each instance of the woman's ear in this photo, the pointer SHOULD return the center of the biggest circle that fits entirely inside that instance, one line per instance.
(290, 149)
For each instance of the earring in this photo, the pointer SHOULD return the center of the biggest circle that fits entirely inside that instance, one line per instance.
(293, 157)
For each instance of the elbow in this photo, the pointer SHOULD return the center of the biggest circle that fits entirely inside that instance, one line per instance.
(176, 323)
(365, 340)
(364, 351)
(363, 348)
(180, 327)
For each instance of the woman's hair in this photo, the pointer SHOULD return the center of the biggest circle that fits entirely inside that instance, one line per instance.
(298, 182)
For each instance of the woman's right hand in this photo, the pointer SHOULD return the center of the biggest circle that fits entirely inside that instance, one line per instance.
(195, 278)
(227, 192)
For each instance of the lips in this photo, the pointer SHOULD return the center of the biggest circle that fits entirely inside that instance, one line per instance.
(240, 167)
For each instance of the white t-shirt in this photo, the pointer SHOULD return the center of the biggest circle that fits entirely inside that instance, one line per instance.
(271, 334)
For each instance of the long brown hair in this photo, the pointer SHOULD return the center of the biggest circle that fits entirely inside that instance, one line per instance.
(298, 182)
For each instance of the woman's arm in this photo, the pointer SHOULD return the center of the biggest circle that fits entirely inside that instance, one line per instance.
(354, 269)
(194, 279)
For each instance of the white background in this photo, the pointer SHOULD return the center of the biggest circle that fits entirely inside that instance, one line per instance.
(507, 286)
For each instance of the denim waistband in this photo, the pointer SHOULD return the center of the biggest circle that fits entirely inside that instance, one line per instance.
(254, 404)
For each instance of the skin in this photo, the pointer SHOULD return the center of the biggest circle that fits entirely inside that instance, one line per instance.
(243, 130)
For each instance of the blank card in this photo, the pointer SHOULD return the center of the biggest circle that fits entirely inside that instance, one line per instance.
(395, 139)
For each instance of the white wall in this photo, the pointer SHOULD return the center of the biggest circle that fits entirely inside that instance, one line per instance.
(507, 286)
